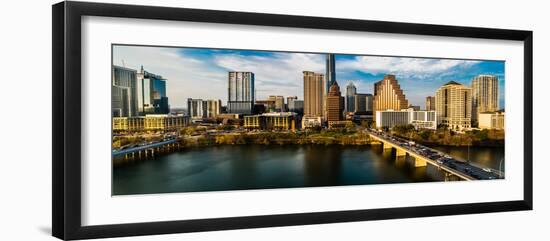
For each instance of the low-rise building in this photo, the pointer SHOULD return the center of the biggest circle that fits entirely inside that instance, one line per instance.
(419, 119)
(153, 122)
(128, 123)
(491, 120)
(311, 122)
(277, 121)
(423, 119)
(164, 122)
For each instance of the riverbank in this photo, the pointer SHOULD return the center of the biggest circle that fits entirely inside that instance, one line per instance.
(279, 138)
(446, 137)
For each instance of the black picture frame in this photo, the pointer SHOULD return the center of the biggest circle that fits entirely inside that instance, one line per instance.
(66, 127)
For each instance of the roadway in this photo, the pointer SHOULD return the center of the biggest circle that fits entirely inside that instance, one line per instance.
(143, 146)
(450, 164)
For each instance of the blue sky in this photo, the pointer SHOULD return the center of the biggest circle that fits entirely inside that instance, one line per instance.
(202, 73)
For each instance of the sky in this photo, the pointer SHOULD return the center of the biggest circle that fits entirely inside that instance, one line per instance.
(202, 73)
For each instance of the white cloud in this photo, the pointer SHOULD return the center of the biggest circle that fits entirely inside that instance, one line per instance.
(186, 77)
(407, 67)
(277, 75)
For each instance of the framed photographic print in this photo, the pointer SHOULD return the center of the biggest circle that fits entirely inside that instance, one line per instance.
(170, 120)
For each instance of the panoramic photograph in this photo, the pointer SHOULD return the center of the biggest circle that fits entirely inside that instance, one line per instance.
(189, 119)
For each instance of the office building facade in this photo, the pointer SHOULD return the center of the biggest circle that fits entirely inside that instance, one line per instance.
(201, 109)
(388, 95)
(124, 92)
(350, 97)
(484, 95)
(240, 92)
(454, 105)
(419, 119)
(491, 120)
(313, 94)
(279, 102)
(362, 103)
(430, 103)
(151, 93)
(335, 104)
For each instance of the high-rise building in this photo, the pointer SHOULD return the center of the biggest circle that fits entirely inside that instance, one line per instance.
(151, 93)
(362, 103)
(388, 95)
(213, 108)
(454, 105)
(123, 92)
(430, 103)
(330, 71)
(350, 97)
(313, 94)
(335, 103)
(279, 102)
(196, 108)
(199, 108)
(484, 95)
(240, 92)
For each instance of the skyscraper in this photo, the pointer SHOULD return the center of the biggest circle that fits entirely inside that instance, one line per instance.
(240, 92)
(335, 103)
(454, 105)
(330, 71)
(388, 95)
(313, 94)
(430, 103)
(151, 93)
(350, 97)
(484, 95)
(160, 100)
(123, 92)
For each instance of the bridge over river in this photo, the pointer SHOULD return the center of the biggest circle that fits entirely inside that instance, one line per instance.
(424, 155)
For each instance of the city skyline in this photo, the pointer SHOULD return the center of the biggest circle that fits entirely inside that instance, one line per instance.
(189, 70)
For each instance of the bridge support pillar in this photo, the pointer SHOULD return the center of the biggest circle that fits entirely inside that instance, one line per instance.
(420, 162)
(386, 146)
(400, 152)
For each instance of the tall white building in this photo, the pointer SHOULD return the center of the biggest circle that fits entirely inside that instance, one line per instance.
(240, 90)
(484, 95)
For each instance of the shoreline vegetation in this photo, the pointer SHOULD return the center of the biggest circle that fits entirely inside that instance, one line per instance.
(197, 136)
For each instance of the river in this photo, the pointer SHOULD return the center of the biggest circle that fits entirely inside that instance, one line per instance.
(240, 167)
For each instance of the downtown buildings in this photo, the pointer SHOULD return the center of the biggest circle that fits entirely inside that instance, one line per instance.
(388, 95)
(241, 92)
(351, 91)
(124, 98)
(137, 93)
(335, 105)
(484, 95)
(430, 103)
(151, 91)
(202, 109)
(454, 105)
(314, 94)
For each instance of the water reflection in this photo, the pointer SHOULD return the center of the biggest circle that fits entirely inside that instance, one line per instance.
(260, 167)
